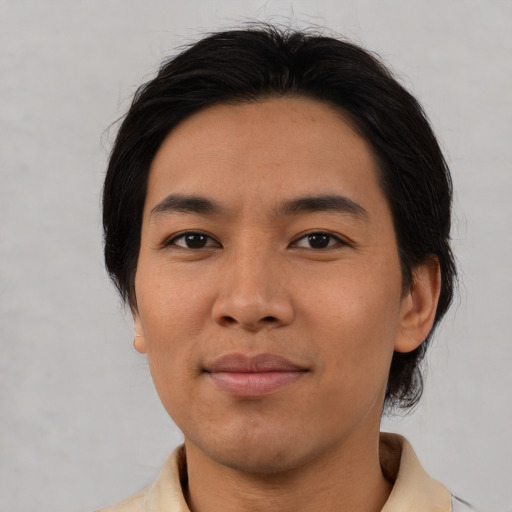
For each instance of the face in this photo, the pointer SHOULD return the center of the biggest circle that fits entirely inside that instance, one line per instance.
(268, 287)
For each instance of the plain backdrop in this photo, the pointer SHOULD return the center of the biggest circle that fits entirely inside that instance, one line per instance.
(80, 424)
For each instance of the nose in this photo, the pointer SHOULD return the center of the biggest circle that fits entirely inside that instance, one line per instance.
(253, 294)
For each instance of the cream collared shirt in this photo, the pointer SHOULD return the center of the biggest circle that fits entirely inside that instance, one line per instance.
(413, 489)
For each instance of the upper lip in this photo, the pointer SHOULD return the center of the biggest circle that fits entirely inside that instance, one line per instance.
(258, 363)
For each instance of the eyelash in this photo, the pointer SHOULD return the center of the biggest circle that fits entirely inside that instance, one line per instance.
(189, 234)
(322, 235)
(337, 240)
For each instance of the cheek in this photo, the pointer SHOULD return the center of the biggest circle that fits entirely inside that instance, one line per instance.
(172, 316)
(172, 349)
(357, 321)
(171, 302)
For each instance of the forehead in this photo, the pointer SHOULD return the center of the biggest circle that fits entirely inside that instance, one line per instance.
(251, 154)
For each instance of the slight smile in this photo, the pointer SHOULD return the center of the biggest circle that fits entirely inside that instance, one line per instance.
(253, 376)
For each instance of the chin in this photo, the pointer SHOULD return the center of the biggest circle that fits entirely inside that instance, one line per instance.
(257, 452)
(258, 461)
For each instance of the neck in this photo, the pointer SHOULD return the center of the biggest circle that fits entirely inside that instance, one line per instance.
(347, 478)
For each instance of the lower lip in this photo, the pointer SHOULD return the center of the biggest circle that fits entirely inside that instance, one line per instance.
(254, 385)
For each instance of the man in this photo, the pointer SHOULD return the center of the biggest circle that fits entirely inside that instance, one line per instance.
(277, 216)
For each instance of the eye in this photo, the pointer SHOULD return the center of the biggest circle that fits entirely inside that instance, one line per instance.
(318, 241)
(191, 240)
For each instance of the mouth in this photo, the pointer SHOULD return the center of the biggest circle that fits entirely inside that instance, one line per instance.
(243, 376)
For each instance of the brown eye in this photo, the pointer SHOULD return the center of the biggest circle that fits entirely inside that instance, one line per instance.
(194, 241)
(318, 241)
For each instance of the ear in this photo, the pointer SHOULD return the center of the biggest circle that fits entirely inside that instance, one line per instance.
(139, 342)
(419, 306)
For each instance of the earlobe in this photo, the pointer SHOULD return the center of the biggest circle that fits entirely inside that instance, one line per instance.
(419, 306)
(139, 343)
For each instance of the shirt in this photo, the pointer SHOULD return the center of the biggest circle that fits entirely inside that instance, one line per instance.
(413, 489)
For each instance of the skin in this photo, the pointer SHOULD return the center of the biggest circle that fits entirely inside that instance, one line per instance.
(258, 286)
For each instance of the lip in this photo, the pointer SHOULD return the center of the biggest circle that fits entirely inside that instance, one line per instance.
(255, 376)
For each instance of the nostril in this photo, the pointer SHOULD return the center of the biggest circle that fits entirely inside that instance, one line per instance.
(228, 320)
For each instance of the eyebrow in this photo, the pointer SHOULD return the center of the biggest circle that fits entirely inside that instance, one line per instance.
(324, 203)
(177, 203)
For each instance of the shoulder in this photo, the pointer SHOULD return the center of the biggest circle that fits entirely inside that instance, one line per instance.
(413, 489)
(136, 503)
(165, 493)
(459, 505)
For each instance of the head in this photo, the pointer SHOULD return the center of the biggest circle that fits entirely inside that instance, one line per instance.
(247, 67)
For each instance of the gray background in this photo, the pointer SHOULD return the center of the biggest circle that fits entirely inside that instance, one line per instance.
(81, 425)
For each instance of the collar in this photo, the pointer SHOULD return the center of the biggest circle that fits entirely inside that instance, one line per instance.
(413, 489)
